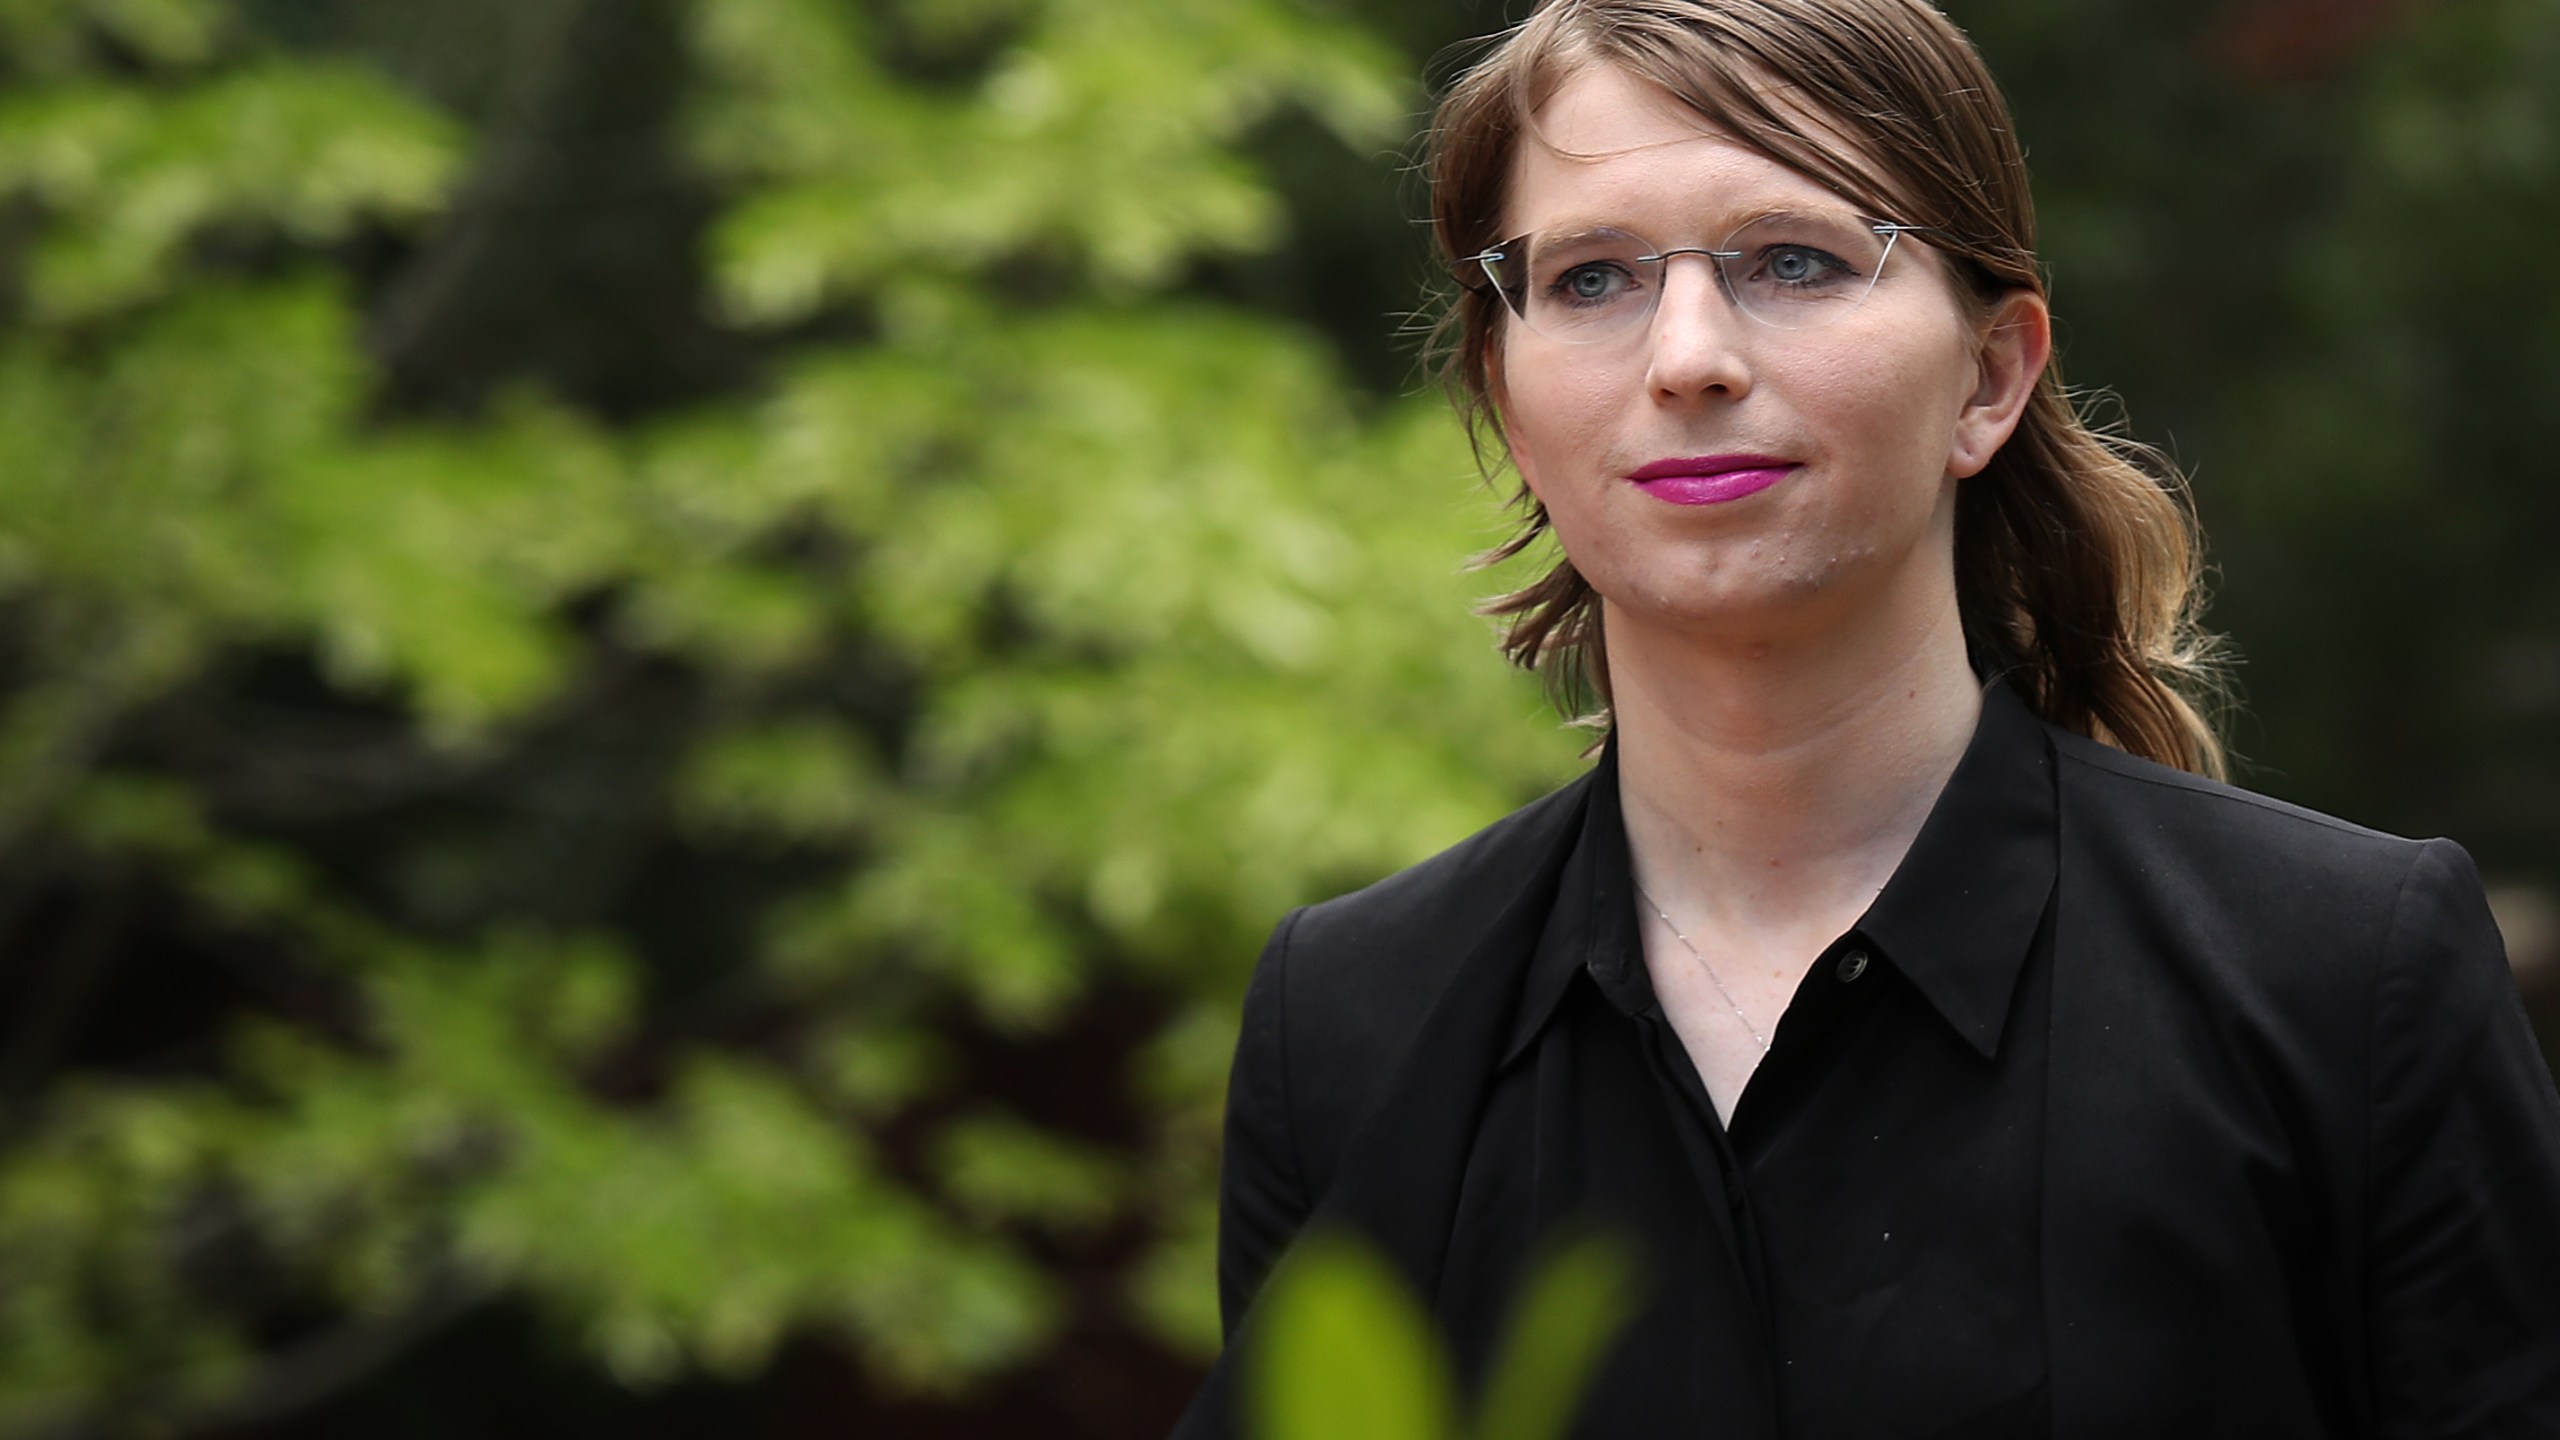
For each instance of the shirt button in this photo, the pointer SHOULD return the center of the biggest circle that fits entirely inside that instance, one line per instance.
(1852, 965)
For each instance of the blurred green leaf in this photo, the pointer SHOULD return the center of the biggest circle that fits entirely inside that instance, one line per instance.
(1577, 1299)
(1339, 1347)
(129, 176)
(1001, 1169)
(1343, 1353)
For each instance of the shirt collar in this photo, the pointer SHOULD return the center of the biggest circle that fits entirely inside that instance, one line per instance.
(1961, 911)
(1957, 918)
(1591, 928)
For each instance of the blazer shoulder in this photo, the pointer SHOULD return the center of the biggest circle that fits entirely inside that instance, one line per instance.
(2292, 912)
(1356, 976)
(2191, 810)
(1454, 894)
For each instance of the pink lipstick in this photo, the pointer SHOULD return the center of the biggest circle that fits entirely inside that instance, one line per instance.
(1711, 479)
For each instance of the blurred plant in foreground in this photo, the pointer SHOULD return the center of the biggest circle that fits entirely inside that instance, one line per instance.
(1341, 1351)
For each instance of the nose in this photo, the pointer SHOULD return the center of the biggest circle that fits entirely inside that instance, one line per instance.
(1698, 339)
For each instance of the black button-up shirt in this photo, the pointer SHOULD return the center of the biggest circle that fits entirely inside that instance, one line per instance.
(1878, 1190)
(2157, 1108)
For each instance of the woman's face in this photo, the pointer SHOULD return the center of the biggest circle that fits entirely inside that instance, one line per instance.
(1861, 427)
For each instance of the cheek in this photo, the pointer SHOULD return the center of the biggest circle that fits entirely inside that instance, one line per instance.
(1895, 406)
(1554, 423)
(1528, 424)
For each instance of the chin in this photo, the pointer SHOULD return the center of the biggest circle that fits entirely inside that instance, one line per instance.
(1774, 603)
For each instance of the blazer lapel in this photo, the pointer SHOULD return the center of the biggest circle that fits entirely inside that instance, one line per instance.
(1397, 1187)
(1401, 1170)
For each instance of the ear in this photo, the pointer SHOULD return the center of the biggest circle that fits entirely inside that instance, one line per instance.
(2009, 357)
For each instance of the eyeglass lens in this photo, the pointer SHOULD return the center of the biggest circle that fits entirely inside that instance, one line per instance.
(1793, 271)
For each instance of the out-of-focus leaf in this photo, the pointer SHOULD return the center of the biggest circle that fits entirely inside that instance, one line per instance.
(808, 779)
(129, 176)
(1576, 1300)
(1001, 1169)
(1340, 1351)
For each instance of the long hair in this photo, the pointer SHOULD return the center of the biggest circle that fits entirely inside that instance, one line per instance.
(2078, 561)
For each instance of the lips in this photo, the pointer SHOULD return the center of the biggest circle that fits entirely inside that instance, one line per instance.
(1710, 479)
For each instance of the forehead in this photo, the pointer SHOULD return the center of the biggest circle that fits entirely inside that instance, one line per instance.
(1607, 146)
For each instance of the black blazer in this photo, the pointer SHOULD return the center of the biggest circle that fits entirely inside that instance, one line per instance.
(2305, 1234)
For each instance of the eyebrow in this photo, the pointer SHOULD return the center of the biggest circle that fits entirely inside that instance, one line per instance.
(1578, 232)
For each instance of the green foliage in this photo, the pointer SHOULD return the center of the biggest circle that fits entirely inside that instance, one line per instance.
(1340, 1351)
(1053, 632)
(131, 176)
(51, 37)
(1101, 140)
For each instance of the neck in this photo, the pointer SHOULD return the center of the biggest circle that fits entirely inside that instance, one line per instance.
(1772, 788)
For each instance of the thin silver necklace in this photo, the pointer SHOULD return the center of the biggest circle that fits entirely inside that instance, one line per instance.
(1712, 977)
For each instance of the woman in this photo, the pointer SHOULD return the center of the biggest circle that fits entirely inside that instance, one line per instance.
(1966, 1060)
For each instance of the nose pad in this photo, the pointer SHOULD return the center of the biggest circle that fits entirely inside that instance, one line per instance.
(1698, 333)
(1692, 282)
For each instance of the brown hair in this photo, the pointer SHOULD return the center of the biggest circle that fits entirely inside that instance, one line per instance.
(2077, 553)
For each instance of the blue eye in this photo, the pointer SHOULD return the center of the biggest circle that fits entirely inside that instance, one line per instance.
(1800, 266)
(1591, 284)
